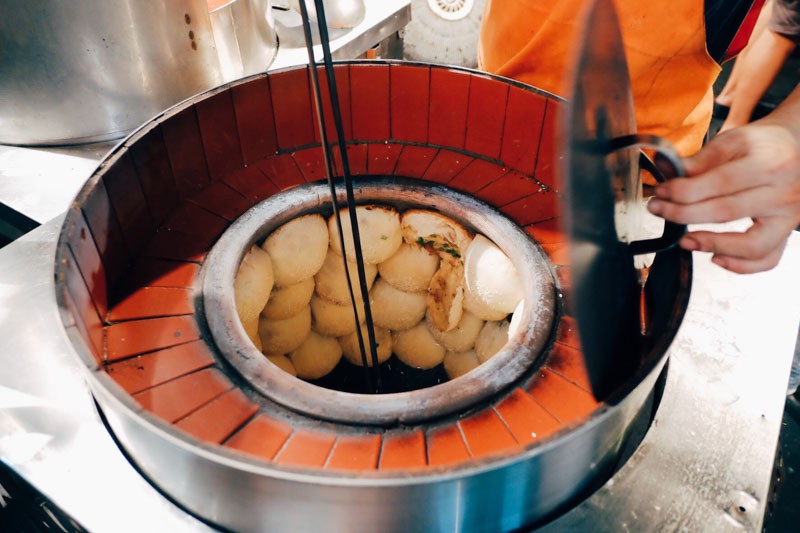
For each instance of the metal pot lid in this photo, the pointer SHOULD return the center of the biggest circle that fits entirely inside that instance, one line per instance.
(598, 182)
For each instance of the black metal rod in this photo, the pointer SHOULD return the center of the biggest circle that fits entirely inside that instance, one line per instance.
(329, 173)
(337, 119)
(348, 181)
(671, 161)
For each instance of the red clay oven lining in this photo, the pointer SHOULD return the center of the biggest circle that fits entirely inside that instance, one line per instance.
(159, 203)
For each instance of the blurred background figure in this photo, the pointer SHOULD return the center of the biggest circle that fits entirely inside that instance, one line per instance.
(774, 38)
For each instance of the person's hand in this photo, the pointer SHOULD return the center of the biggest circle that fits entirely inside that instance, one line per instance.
(752, 171)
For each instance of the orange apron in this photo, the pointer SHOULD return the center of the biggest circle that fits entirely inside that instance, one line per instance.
(665, 42)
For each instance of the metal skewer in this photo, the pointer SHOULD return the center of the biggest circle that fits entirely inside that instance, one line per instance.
(372, 373)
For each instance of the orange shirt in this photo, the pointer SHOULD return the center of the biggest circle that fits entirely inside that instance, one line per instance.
(671, 71)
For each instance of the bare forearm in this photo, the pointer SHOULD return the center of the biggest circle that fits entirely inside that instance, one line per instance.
(758, 68)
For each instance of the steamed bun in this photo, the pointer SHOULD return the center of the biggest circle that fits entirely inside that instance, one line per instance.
(251, 289)
(281, 336)
(437, 232)
(491, 339)
(298, 249)
(410, 269)
(491, 277)
(333, 319)
(352, 352)
(379, 231)
(478, 308)
(394, 309)
(417, 347)
(459, 363)
(462, 337)
(316, 357)
(289, 300)
(282, 362)
(516, 319)
(445, 299)
(332, 282)
(250, 325)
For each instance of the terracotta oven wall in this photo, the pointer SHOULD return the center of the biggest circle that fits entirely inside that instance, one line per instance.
(168, 192)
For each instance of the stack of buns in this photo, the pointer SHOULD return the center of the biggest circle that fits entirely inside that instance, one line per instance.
(438, 294)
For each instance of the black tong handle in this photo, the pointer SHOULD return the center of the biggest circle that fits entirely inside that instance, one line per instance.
(668, 166)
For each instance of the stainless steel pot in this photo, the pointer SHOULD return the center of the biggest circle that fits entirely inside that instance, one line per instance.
(92, 70)
(338, 13)
(244, 32)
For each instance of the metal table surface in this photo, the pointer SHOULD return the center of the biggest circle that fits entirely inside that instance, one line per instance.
(50, 431)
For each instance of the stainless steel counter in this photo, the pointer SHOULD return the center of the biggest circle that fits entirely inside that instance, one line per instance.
(50, 432)
(41, 182)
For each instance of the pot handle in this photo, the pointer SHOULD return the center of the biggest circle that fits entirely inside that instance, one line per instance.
(667, 165)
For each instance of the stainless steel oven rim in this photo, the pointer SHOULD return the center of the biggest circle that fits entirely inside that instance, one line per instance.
(515, 360)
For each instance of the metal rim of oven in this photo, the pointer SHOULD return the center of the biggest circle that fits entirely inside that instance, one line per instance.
(122, 406)
(519, 355)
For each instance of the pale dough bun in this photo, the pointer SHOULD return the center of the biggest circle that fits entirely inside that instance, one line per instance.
(331, 280)
(462, 337)
(289, 300)
(445, 299)
(491, 340)
(251, 289)
(251, 328)
(298, 249)
(378, 227)
(282, 362)
(516, 319)
(316, 357)
(480, 309)
(333, 319)
(417, 347)
(352, 352)
(396, 310)
(410, 269)
(491, 277)
(282, 336)
(459, 363)
(436, 232)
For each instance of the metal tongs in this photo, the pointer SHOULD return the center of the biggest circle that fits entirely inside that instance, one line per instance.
(604, 205)
(372, 371)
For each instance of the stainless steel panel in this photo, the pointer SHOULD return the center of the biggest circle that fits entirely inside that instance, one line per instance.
(245, 36)
(90, 70)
